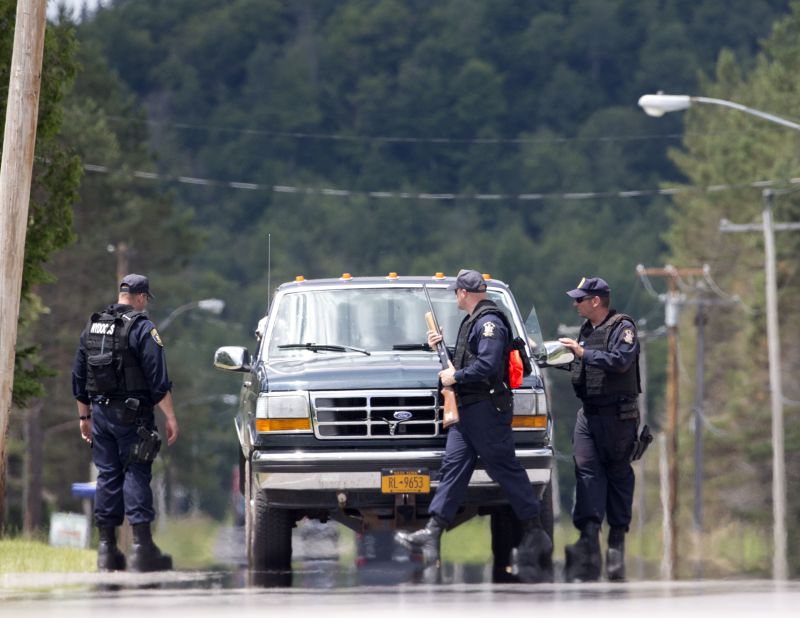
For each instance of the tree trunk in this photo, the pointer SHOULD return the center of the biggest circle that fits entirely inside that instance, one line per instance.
(32, 489)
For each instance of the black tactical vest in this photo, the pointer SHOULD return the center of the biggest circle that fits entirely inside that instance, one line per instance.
(112, 370)
(470, 392)
(593, 384)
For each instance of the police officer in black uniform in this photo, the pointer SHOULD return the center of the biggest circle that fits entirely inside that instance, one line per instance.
(605, 377)
(485, 405)
(119, 375)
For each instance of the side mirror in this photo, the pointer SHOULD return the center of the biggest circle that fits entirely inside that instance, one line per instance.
(556, 355)
(232, 358)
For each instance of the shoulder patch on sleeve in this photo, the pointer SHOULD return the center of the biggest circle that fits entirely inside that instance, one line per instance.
(488, 329)
(628, 336)
(156, 338)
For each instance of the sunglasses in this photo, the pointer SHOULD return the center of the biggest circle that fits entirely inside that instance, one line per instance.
(581, 299)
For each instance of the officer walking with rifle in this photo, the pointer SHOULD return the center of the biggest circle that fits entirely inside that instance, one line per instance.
(479, 375)
(605, 377)
(118, 377)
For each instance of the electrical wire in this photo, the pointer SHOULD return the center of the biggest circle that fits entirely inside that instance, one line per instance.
(346, 193)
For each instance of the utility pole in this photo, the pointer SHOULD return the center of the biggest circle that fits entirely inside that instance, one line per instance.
(780, 565)
(16, 172)
(699, 397)
(672, 302)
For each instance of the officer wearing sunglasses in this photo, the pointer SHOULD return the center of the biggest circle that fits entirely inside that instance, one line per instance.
(605, 378)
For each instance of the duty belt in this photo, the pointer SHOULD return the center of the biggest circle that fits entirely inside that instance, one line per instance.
(607, 410)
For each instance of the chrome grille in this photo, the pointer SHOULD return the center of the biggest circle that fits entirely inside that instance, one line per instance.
(347, 415)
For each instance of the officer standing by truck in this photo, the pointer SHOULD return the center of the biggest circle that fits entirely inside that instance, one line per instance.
(605, 377)
(485, 405)
(118, 377)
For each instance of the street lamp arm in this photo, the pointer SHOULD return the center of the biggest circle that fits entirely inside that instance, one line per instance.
(660, 104)
(748, 110)
(168, 320)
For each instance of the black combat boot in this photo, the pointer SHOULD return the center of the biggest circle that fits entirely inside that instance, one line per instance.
(535, 553)
(425, 541)
(109, 557)
(145, 555)
(583, 562)
(615, 556)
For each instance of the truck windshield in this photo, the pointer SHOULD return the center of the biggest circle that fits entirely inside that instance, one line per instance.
(372, 319)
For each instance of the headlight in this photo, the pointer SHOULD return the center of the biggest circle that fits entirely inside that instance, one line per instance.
(524, 402)
(283, 412)
(283, 405)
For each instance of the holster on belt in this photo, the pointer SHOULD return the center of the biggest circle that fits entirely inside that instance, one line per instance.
(641, 443)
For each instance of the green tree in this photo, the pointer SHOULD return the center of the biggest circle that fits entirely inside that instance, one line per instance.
(731, 148)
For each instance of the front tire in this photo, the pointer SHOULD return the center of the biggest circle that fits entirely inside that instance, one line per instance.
(507, 534)
(271, 544)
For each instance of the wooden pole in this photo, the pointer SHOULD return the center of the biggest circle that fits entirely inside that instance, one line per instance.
(16, 171)
(672, 309)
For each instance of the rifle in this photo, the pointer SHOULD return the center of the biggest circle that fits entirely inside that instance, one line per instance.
(448, 394)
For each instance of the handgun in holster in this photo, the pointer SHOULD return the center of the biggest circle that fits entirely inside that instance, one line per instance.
(641, 443)
(147, 447)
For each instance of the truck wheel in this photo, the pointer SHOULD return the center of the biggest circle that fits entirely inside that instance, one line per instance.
(546, 510)
(271, 548)
(506, 534)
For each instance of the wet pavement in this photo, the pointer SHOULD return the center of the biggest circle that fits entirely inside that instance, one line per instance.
(376, 581)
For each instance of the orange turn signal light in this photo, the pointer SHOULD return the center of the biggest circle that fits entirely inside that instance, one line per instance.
(264, 425)
(529, 422)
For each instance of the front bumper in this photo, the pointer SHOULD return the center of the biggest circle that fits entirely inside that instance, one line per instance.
(361, 470)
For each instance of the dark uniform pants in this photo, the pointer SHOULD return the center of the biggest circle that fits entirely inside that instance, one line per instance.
(486, 433)
(603, 473)
(119, 492)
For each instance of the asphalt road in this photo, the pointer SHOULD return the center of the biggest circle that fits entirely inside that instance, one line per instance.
(197, 595)
(322, 586)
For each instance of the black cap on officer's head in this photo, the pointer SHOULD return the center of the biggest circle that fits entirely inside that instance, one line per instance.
(135, 284)
(469, 280)
(590, 286)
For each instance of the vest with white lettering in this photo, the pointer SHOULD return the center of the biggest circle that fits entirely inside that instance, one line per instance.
(112, 370)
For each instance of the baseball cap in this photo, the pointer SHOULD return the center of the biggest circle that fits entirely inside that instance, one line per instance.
(469, 280)
(590, 286)
(135, 284)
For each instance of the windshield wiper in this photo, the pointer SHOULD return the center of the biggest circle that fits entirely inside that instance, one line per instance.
(412, 346)
(316, 347)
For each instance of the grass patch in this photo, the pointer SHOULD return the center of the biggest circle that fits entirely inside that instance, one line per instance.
(469, 543)
(29, 556)
(189, 540)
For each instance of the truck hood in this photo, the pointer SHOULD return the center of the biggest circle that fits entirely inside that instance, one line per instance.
(351, 371)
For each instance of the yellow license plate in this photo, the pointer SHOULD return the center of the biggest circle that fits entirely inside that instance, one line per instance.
(405, 482)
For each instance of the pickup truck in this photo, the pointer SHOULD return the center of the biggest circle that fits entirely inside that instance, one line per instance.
(340, 417)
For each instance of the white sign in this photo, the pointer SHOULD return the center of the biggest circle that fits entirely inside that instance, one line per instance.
(69, 530)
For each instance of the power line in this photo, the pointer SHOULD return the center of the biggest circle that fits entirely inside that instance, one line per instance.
(399, 139)
(405, 195)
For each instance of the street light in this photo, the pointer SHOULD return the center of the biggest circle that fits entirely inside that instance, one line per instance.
(657, 105)
(212, 305)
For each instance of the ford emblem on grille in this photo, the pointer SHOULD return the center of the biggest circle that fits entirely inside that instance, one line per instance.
(402, 415)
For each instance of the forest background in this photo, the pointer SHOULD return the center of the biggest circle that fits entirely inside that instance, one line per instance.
(274, 103)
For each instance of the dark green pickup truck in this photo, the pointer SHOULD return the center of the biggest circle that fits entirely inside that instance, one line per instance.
(340, 418)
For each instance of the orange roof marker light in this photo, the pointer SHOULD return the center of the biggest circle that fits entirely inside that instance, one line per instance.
(346, 276)
(487, 276)
(392, 275)
(439, 276)
(299, 279)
